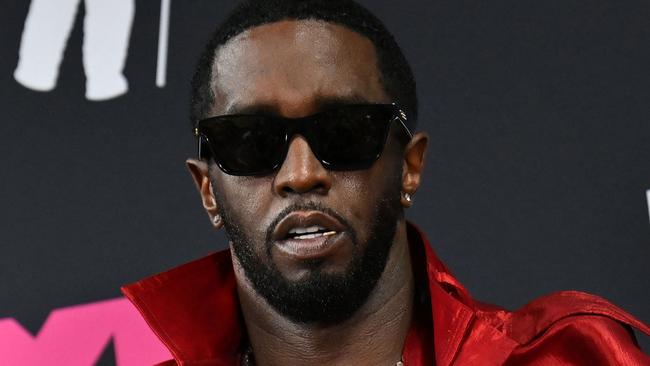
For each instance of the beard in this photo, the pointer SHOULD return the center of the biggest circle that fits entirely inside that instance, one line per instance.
(320, 297)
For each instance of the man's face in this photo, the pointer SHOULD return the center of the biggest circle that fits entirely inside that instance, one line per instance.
(294, 69)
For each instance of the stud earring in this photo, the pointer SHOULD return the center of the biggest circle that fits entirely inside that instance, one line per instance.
(216, 220)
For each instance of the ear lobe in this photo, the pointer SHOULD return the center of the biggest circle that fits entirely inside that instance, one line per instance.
(217, 222)
(201, 176)
(414, 158)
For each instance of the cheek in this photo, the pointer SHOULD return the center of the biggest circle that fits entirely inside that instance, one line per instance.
(354, 193)
(358, 193)
(246, 199)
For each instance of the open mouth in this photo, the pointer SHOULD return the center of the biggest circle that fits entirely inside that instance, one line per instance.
(305, 235)
(305, 225)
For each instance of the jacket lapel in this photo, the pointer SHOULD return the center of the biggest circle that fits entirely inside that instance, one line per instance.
(194, 310)
(461, 335)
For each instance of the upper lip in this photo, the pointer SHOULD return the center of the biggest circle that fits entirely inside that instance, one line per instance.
(305, 219)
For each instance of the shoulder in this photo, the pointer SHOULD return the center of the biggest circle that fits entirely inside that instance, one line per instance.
(566, 306)
(575, 328)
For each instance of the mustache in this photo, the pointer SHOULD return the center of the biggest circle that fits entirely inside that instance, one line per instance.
(307, 206)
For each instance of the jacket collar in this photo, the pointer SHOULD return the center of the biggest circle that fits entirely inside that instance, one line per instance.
(194, 308)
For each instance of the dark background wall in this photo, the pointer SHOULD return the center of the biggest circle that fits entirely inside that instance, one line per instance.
(539, 113)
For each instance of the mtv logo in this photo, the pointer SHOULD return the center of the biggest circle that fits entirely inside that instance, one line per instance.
(77, 336)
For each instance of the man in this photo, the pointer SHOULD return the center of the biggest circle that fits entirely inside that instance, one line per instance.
(304, 112)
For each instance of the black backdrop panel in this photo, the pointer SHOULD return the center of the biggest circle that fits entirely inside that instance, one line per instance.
(536, 180)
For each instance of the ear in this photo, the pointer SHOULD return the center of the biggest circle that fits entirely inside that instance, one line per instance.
(413, 166)
(201, 175)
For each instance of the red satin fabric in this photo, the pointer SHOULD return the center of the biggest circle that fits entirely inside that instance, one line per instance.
(194, 311)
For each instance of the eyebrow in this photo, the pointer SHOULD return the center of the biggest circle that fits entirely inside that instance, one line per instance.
(322, 103)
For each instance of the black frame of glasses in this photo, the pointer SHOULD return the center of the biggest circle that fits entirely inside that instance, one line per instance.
(296, 127)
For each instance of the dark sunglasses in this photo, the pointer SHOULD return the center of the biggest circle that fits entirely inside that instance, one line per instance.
(349, 137)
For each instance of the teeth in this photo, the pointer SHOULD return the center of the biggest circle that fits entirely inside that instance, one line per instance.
(303, 230)
(313, 236)
(308, 236)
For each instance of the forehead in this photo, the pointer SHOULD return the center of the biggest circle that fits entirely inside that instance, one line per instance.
(292, 66)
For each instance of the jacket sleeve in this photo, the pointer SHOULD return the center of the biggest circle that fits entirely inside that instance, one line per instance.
(581, 340)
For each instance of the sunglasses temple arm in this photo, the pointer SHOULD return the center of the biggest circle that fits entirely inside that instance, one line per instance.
(408, 131)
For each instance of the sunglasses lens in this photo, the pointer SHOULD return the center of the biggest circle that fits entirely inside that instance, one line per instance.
(245, 145)
(351, 137)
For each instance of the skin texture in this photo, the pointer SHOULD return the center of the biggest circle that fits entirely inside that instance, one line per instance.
(294, 69)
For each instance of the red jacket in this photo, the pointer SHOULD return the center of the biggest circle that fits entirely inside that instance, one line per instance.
(194, 311)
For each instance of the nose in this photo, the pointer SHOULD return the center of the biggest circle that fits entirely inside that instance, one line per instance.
(301, 172)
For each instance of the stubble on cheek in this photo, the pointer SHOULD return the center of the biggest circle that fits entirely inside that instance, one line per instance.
(361, 192)
(244, 209)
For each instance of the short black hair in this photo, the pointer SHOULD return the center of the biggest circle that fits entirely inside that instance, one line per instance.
(396, 73)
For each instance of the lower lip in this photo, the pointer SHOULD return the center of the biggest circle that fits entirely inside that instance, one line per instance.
(303, 249)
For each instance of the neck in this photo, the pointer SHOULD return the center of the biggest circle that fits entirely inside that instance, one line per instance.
(374, 335)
